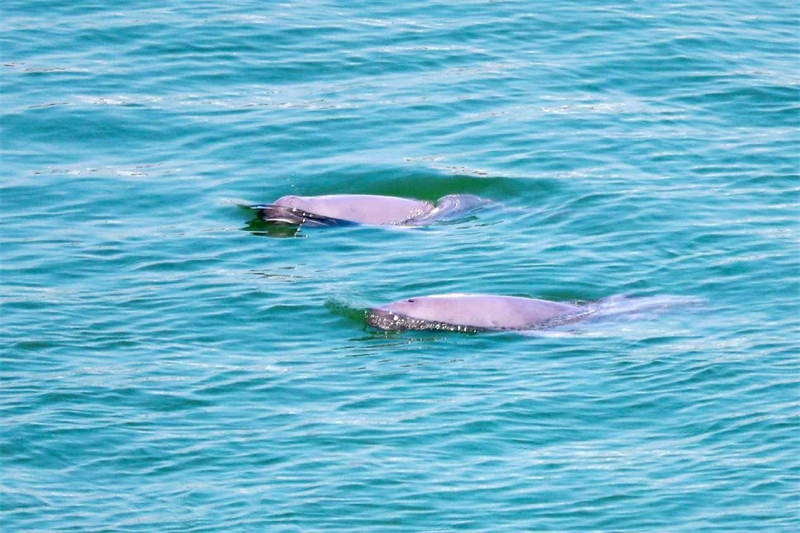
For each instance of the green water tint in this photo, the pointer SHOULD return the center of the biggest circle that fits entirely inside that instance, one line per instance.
(163, 368)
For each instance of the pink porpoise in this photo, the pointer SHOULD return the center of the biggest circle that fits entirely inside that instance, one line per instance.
(338, 209)
(473, 312)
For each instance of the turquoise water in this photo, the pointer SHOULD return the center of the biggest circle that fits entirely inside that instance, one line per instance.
(168, 364)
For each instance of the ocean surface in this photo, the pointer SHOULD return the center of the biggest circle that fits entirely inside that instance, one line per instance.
(171, 364)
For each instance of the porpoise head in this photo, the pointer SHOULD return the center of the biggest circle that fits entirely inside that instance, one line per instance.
(423, 312)
(290, 201)
(403, 316)
(425, 308)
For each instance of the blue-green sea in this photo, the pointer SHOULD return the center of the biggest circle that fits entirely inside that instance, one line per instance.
(170, 364)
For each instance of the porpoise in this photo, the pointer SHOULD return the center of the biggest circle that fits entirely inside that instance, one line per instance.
(474, 312)
(343, 209)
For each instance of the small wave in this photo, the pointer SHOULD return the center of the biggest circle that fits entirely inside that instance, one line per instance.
(623, 305)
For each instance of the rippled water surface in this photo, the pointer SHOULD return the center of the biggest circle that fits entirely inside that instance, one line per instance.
(169, 364)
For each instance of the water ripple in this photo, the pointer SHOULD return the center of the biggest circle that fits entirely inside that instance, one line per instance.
(166, 367)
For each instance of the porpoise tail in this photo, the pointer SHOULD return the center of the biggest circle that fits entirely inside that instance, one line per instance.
(631, 306)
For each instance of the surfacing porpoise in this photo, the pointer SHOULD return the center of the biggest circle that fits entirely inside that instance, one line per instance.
(344, 209)
(491, 312)
(474, 312)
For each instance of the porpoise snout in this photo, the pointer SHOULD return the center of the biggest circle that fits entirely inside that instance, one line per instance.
(379, 317)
